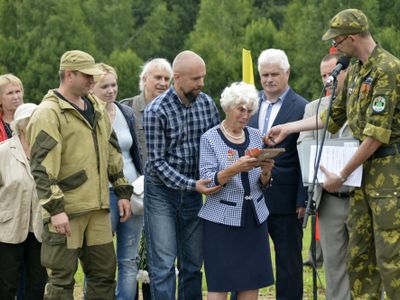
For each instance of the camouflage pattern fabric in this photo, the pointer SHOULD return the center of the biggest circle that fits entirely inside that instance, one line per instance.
(348, 21)
(374, 222)
(370, 103)
(370, 99)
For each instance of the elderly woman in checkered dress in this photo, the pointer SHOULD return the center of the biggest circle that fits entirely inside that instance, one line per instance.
(235, 234)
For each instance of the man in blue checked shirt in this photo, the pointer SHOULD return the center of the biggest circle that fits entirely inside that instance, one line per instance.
(173, 124)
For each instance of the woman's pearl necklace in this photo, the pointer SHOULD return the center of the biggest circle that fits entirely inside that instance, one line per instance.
(231, 136)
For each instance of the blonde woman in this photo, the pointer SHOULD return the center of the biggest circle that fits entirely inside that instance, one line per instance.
(129, 232)
(11, 96)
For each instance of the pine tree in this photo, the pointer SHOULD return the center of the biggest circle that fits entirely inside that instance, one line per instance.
(218, 37)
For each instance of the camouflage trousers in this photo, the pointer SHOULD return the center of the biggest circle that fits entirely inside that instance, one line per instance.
(374, 226)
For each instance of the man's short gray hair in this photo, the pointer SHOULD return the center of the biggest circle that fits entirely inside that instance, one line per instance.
(159, 63)
(274, 56)
(240, 93)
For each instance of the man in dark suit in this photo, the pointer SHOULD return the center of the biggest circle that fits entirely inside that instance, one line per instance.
(286, 197)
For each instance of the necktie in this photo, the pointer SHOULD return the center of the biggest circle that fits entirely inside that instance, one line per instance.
(267, 115)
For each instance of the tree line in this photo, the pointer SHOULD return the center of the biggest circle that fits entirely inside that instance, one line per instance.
(126, 33)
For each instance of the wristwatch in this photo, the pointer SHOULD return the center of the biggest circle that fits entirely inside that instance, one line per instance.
(342, 179)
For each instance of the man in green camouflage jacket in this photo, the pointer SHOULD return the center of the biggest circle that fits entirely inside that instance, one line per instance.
(370, 103)
(74, 156)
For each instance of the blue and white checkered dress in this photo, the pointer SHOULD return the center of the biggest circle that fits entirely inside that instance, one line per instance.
(218, 153)
(235, 234)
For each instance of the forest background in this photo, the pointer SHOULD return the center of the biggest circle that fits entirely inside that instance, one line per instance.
(126, 33)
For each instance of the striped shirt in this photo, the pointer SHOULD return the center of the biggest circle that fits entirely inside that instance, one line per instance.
(173, 133)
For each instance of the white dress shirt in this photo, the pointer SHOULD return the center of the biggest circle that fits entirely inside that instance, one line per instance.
(275, 109)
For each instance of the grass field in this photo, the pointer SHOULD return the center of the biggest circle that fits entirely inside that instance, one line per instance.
(266, 293)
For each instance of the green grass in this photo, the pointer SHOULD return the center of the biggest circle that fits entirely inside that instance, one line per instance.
(266, 293)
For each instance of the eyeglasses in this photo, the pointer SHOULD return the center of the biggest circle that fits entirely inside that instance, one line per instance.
(336, 44)
(244, 110)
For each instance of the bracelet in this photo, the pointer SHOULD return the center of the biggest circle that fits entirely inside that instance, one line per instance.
(267, 174)
(342, 179)
(265, 186)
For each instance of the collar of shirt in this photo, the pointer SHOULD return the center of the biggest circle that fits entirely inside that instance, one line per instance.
(280, 98)
(275, 108)
(180, 100)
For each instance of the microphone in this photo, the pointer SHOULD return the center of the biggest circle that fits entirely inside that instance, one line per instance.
(342, 64)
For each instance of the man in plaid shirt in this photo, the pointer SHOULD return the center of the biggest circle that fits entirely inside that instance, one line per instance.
(173, 124)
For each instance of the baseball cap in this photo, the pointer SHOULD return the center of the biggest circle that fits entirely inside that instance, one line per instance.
(22, 112)
(348, 21)
(77, 60)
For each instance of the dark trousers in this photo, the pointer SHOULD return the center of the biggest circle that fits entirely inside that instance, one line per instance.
(145, 291)
(286, 233)
(98, 263)
(13, 256)
(21, 284)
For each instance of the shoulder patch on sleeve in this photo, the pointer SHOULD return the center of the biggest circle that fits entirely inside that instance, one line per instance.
(378, 104)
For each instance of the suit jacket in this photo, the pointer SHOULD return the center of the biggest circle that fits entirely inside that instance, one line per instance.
(311, 110)
(19, 203)
(226, 205)
(287, 191)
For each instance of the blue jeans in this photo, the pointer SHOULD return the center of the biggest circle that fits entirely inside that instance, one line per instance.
(173, 230)
(128, 238)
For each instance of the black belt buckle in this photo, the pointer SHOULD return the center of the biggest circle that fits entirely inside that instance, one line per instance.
(340, 195)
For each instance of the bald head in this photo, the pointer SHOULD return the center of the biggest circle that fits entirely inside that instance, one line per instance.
(185, 60)
(189, 71)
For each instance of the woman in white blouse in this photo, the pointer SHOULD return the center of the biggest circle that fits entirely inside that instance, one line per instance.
(128, 233)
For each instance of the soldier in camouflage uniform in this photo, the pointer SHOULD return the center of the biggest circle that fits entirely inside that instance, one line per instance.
(369, 102)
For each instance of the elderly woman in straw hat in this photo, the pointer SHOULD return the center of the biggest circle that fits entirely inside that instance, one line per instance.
(11, 96)
(20, 214)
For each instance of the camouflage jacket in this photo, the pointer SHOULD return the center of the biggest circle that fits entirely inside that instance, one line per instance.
(370, 99)
(72, 162)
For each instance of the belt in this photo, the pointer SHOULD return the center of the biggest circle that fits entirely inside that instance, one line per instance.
(384, 151)
(339, 195)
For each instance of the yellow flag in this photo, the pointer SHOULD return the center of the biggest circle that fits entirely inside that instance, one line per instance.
(247, 67)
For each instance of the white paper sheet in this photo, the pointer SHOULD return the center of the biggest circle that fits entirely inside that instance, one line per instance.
(334, 158)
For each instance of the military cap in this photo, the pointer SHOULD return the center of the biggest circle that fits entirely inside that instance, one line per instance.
(76, 60)
(348, 21)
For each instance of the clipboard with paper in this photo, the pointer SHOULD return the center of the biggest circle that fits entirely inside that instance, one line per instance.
(335, 154)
